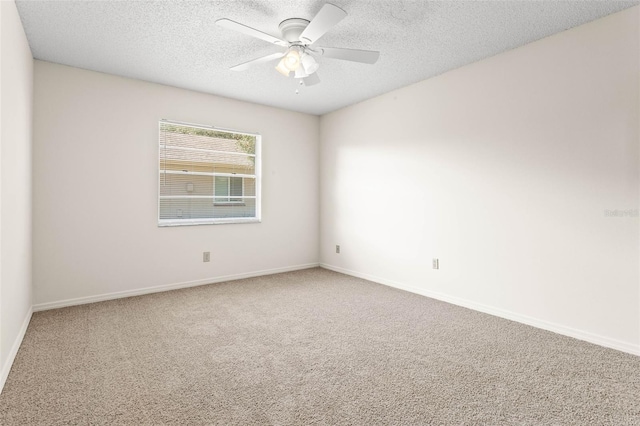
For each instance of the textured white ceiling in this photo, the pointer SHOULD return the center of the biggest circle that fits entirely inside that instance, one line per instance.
(177, 43)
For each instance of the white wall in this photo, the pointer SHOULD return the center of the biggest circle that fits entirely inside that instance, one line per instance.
(95, 188)
(16, 93)
(503, 170)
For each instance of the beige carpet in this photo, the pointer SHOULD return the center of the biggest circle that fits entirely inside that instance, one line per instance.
(304, 348)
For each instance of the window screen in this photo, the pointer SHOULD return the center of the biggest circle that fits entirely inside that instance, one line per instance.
(207, 175)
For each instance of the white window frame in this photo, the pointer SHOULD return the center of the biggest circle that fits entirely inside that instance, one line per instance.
(214, 221)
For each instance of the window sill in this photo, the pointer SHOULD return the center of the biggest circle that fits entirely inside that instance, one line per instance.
(221, 221)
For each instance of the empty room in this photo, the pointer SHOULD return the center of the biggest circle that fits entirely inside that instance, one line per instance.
(312, 212)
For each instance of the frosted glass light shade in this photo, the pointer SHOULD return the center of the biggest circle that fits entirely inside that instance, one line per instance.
(292, 59)
(301, 73)
(309, 63)
(282, 69)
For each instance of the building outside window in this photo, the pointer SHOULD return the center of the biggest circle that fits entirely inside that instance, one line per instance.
(207, 175)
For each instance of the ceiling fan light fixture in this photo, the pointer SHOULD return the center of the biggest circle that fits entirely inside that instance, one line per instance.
(292, 59)
(301, 73)
(309, 64)
(282, 68)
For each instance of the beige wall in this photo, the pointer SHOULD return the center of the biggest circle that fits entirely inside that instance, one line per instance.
(16, 96)
(503, 170)
(95, 228)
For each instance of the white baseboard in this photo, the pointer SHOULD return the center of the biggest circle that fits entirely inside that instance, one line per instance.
(157, 289)
(524, 319)
(6, 368)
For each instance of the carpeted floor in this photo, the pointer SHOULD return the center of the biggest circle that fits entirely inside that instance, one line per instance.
(304, 348)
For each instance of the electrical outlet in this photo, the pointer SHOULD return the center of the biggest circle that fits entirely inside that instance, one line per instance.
(436, 263)
(337, 249)
(206, 256)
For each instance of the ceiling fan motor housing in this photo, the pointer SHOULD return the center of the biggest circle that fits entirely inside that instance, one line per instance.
(292, 28)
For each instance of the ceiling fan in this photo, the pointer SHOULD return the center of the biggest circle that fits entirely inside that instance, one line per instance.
(298, 37)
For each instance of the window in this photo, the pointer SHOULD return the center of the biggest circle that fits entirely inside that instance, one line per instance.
(228, 189)
(207, 175)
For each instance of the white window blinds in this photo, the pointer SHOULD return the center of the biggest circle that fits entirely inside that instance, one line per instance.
(207, 175)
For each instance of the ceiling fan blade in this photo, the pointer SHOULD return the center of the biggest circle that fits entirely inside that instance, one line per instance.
(328, 16)
(355, 55)
(311, 80)
(246, 65)
(235, 26)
